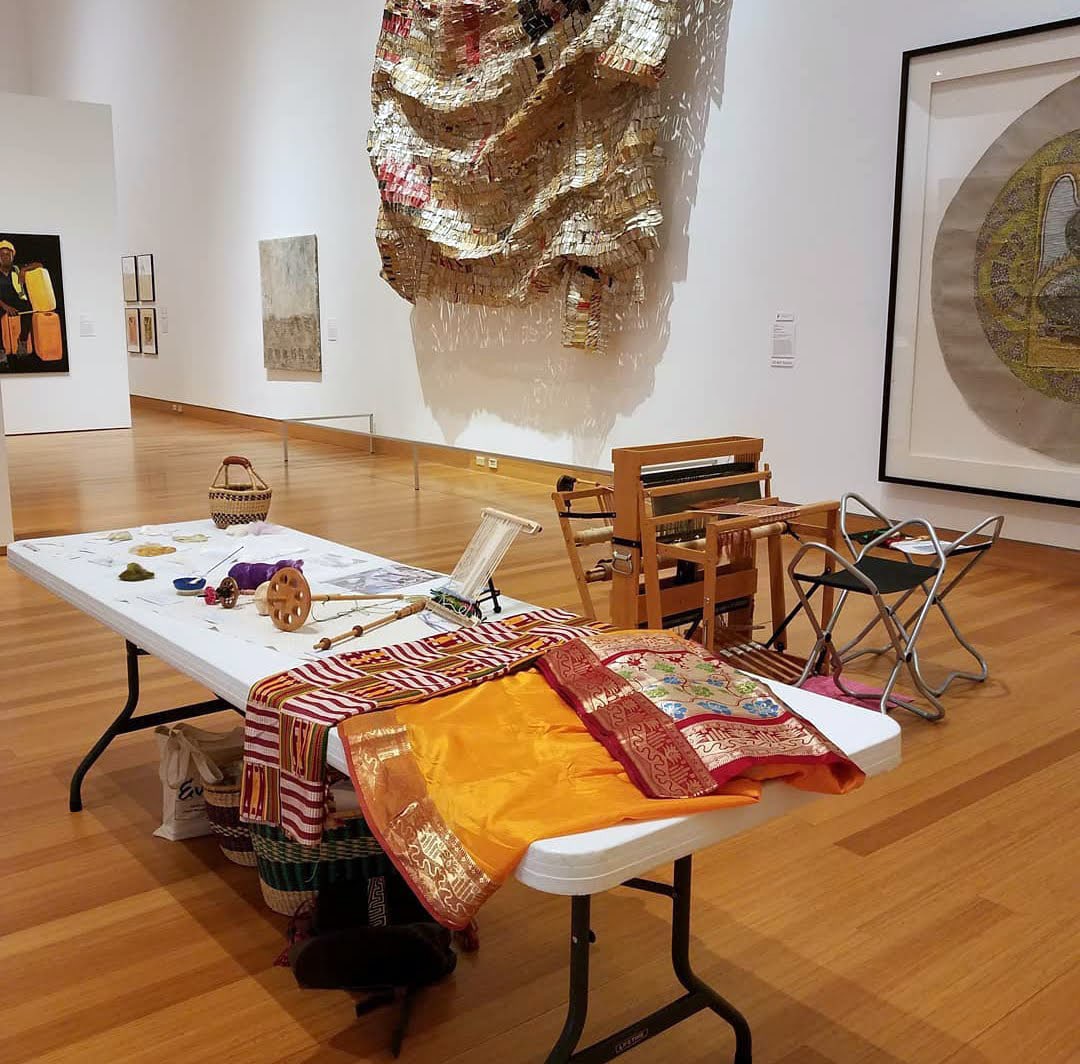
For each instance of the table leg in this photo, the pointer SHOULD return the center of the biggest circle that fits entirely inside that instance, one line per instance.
(126, 722)
(578, 1006)
(699, 995)
(684, 972)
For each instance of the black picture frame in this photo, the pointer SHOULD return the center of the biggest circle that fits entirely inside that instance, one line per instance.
(124, 260)
(898, 201)
(148, 345)
(134, 347)
(139, 275)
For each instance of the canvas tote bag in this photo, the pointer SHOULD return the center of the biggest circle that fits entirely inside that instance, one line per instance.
(188, 756)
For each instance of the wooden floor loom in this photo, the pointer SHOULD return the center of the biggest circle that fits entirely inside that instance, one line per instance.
(683, 521)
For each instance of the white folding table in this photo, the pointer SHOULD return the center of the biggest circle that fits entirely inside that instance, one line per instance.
(228, 651)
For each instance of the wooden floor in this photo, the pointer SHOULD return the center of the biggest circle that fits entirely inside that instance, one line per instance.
(932, 917)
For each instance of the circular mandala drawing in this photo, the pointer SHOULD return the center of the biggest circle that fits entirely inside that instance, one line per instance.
(1027, 271)
(1005, 287)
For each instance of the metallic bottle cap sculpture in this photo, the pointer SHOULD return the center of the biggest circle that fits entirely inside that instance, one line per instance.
(514, 144)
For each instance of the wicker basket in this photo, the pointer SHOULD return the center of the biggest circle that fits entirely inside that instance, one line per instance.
(223, 811)
(291, 874)
(238, 504)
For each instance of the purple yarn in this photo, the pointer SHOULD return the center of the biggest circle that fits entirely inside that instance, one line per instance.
(249, 575)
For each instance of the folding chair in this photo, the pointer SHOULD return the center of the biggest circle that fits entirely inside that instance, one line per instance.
(881, 579)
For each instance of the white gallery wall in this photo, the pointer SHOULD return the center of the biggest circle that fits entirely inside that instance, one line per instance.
(58, 177)
(245, 120)
(15, 69)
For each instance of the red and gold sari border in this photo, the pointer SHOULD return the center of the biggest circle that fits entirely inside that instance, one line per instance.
(681, 722)
(393, 796)
(647, 742)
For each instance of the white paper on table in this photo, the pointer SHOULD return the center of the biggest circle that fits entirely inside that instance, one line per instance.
(105, 560)
(337, 561)
(317, 573)
(271, 553)
(159, 598)
(438, 623)
(381, 580)
(919, 546)
(49, 547)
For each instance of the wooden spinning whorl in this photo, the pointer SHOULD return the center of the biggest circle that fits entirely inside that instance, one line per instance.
(228, 593)
(289, 599)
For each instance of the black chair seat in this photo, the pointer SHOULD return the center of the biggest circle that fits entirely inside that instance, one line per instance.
(888, 576)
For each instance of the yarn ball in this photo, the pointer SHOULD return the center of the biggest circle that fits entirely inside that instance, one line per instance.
(249, 575)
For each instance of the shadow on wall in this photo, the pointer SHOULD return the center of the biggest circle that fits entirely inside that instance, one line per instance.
(510, 363)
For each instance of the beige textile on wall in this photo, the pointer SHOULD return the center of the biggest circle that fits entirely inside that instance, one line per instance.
(292, 337)
(514, 143)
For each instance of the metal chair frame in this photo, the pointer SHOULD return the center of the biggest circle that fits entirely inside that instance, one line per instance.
(903, 634)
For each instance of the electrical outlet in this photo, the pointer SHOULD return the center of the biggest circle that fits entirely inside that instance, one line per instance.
(480, 461)
(493, 463)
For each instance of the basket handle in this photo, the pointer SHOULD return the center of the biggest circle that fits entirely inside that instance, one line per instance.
(233, 460)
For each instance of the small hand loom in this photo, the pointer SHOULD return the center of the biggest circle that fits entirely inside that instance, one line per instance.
(462, 594)
(288, 595)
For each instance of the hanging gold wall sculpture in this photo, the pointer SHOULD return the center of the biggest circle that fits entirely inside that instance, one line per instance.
(514, 144)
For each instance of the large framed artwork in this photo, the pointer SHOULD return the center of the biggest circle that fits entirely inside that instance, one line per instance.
(33, 329)
(982, 375)
(289, 268)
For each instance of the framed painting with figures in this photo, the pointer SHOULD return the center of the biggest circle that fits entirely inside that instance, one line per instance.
(148, 338)
(131, 328)
(33, 327)
(982, 377)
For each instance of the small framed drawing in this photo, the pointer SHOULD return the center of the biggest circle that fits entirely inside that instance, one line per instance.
(148, 330)
(145, 269)
(131, 316)
(131, 285)
(982, 372)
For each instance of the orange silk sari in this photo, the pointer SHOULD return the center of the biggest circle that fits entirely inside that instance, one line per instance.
(458, 787)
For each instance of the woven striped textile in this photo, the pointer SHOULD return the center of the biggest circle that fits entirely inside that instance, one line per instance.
(289, 715)
(291, 874)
